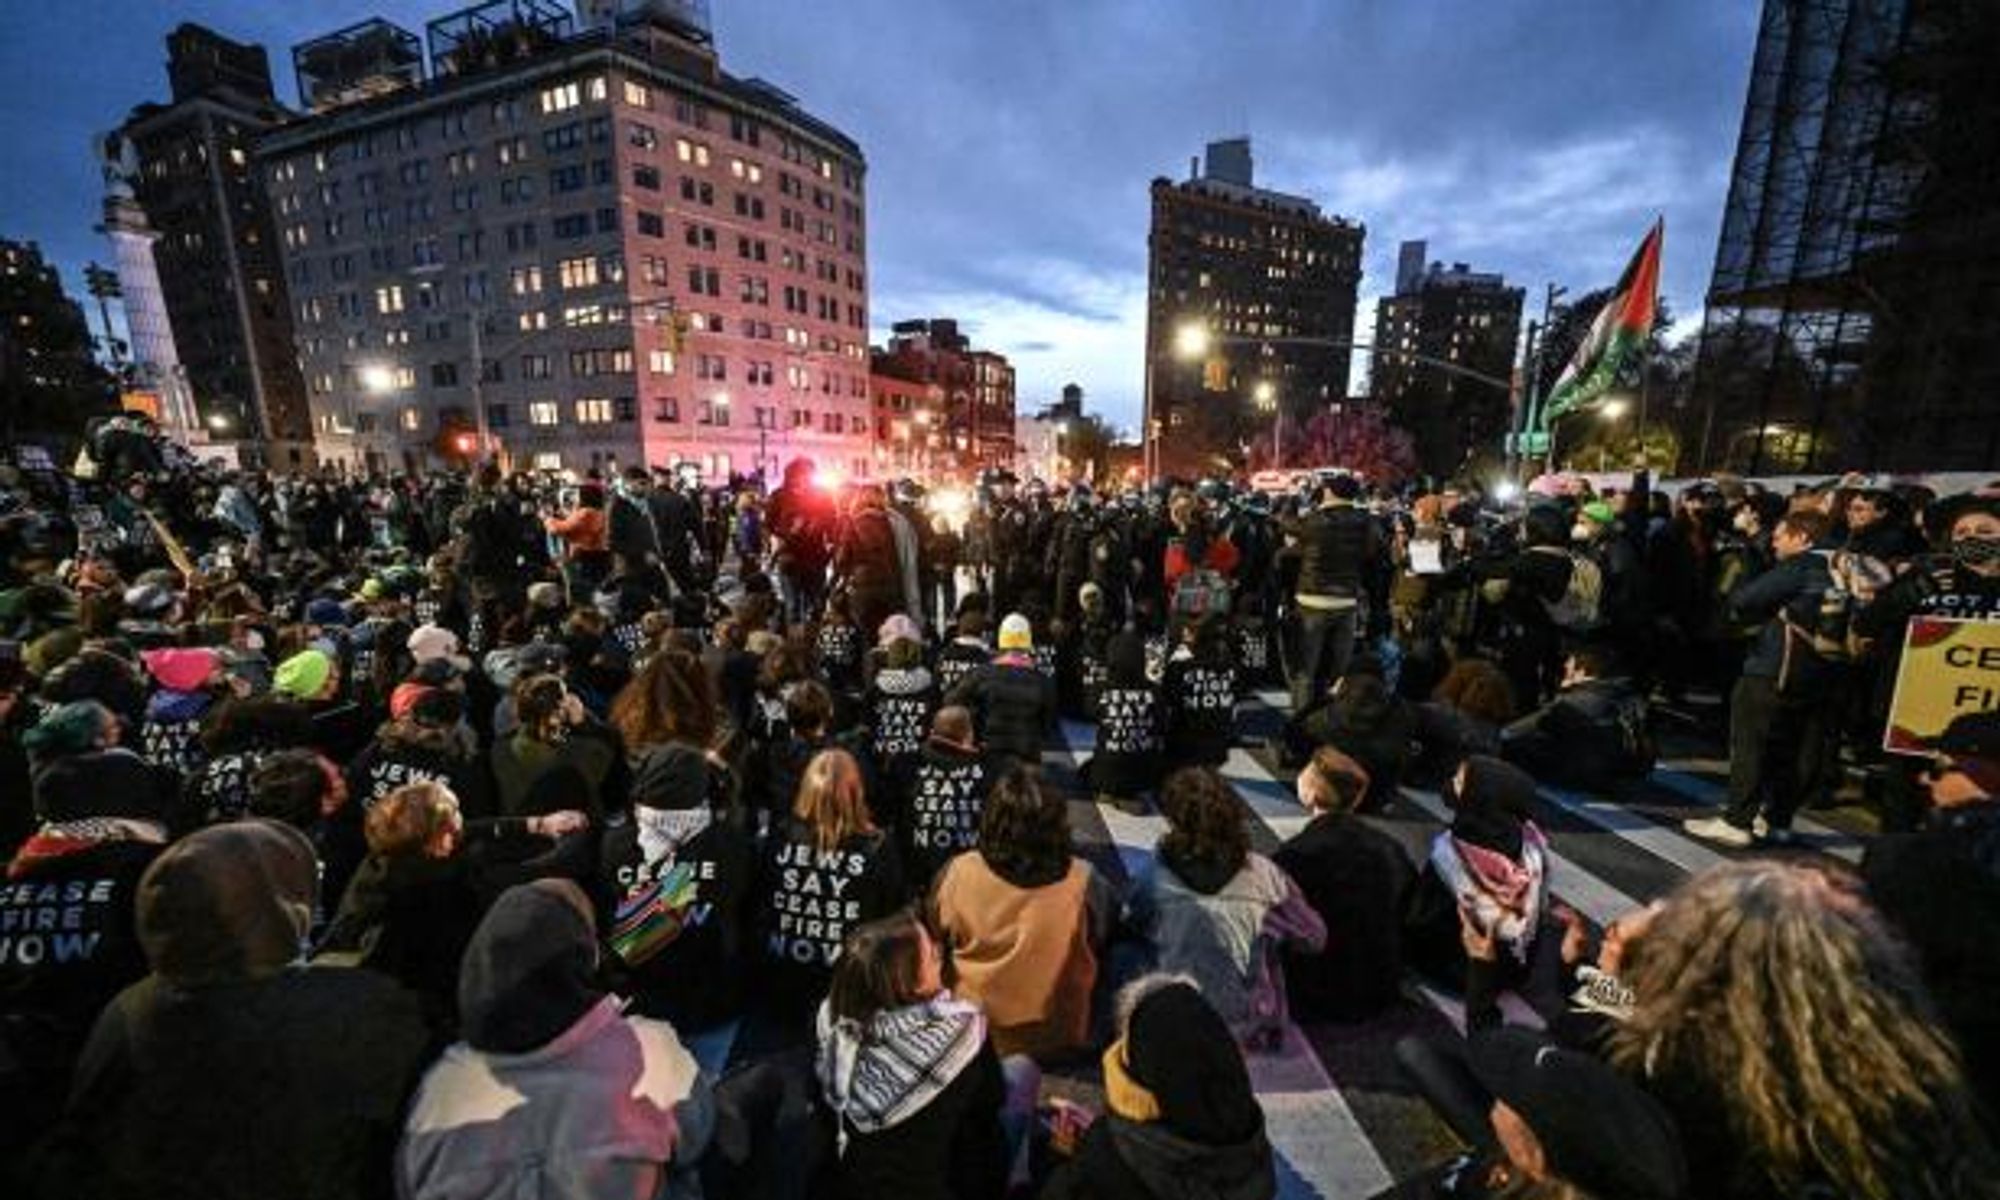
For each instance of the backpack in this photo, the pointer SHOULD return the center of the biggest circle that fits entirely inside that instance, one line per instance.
(1582, 600)
(1200, 592)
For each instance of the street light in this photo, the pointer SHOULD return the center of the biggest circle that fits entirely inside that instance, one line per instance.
(218, 421)
(376, 379)
(1265, 393)
(1609, 412)
(1192, 340)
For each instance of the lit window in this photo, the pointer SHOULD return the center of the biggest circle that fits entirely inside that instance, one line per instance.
(593, 412)
(548, 460)
(542, 412)
(389, 298)
(638, 95)
(562, 97)
(413, 420)
(661, 362)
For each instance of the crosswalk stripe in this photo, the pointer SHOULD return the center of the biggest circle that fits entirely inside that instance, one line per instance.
(1811, 833)
(1655, 839)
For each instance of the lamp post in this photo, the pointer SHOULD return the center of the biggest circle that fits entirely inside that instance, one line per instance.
(1609, 412)
(1265, 393)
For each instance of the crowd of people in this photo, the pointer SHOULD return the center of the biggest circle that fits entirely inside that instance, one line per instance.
(475, 835)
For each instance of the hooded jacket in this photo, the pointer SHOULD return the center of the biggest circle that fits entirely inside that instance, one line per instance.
(1591, 737)
(248, 1073)
(941, 797)
(900, 703)
(553, 1092)
(917, 1091)
(1196, 1131)
(1225, 929)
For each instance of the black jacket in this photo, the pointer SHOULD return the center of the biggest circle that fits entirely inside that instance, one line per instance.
(1013, 704)
(949, 1150)
(1591, 737)
(1940, 886)
(1359, 881)
(940, 798)
(1338, 546)
(291, 1085)
(677, 922)
(807, 901)
(1793, 588)
(1127, 1160)
(1200, 697)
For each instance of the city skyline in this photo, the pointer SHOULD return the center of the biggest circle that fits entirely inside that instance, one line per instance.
(992, 202)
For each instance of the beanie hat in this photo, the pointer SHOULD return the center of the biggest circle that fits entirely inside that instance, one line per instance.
(545, 595)
(671, 777)
(326, 611)
(1600, 512)
(371, 590)
(404, 699)
(180, 669)
(67, 729)
(303, 675)
(1016, 633)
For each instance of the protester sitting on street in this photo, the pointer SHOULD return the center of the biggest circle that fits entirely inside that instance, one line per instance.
(940, 797)
(1180, 1117)
(1359, 881)
(1544, 1121)
(1362, 718)
(1209, 907)
(910, 1071)
(900, 698)
(551, 1089)
(1738, 981)
(1479, 917)
(425, 737)
(306, 790)
(558, 756)
(1592, 736)
(1199, 695)
(1126, 763)
(1012, 703)
(1026, 920)
(826, 869)
(674, 878)
(231, 1066)
(428, 877)
(1463, 717)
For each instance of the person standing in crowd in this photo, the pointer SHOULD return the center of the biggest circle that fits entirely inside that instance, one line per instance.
(800, 523)
(585, 533)
(547, 1061)
(248, 1074)
(1211, 907)
(1773, 711)
(1338, 545)
(1025, 921)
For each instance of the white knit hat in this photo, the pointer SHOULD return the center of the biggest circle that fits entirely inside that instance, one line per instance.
(1016, 633)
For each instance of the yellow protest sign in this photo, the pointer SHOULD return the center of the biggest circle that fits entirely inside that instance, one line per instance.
(1950, 667)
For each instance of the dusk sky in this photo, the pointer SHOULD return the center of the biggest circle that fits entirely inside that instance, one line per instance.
(1010, 145)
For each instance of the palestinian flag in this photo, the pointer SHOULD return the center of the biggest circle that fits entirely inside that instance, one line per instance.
(1617, 337)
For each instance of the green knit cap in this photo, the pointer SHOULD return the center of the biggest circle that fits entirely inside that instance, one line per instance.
(303, 674)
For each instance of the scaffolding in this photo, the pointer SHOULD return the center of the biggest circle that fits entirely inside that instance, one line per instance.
(360, 62)
(495, 34)
(1858, 258)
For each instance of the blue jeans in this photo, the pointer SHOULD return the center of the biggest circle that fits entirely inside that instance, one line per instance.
(1324, 645)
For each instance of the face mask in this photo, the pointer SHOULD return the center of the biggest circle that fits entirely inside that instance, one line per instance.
(1976, 552)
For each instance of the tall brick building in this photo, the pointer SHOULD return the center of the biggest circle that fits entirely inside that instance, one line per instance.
(593, 237)
(215, 246)
(969, 422)
(1457, 315)
(1256, 269)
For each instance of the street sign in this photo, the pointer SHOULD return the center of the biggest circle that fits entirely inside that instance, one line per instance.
(1534, 441)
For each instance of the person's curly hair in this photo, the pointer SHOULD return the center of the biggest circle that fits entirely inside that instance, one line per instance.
(671, 699)
(1024, 830)
(1775, 995)
(1204, 821)
(1478, 688)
